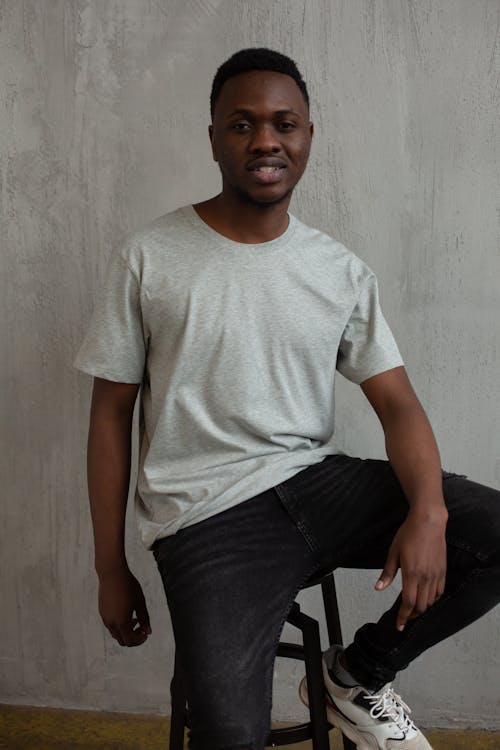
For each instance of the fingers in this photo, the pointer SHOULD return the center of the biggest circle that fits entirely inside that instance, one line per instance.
(143, 617)
(122, 607)
(131, 633)
(388, 574)
(418, 594)
(416, 599)
(128, 634)
(441, 584)
(408, 600)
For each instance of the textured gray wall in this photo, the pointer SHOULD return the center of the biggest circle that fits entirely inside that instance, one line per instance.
(103, 127)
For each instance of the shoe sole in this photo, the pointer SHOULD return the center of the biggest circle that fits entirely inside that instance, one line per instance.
(338, 721)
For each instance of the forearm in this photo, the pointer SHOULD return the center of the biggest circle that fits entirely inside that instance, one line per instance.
(108, 468)
(414, 455)
(410, 444)
(419, 545)
(121, 601)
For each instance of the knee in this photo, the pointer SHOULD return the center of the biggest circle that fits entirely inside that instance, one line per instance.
(474, 521)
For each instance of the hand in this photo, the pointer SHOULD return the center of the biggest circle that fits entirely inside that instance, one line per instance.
(120, 596)
(419, 549)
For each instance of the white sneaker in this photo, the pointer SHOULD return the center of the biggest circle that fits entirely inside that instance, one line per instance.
(374, 721)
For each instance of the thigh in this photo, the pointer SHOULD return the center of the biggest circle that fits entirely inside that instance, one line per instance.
(229, 583)
(351, 508)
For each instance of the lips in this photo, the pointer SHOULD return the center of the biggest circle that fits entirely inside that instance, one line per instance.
(266, 165)
(267, 171)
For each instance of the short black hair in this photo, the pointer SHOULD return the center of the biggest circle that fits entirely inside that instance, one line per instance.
(255, 58)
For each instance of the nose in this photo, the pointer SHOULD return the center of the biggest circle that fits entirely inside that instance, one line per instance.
(264, 140)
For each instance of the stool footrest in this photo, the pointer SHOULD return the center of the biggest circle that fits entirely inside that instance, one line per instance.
(291, 735)
(290, 651)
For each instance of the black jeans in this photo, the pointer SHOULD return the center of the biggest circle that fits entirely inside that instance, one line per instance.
(230, 581)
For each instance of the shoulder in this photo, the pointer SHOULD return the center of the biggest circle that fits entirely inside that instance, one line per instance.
(149, 243)
(353, 269)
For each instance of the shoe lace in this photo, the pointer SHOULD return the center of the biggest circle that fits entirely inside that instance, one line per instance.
(389, 705)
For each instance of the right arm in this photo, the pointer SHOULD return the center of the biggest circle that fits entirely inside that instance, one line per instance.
(108, 468)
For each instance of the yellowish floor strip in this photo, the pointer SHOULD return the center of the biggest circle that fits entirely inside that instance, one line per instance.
(51, 729)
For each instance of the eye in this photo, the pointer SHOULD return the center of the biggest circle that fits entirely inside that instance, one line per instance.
(286, 125)
(240, 126)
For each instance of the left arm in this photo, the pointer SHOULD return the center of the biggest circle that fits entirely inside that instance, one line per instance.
(419, 547)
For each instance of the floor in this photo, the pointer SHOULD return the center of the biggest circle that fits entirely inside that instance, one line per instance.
(50, 729)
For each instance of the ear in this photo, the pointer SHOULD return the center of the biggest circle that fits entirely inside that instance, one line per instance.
(311, 129)
(211, 136)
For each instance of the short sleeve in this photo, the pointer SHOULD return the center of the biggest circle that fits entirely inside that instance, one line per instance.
(114, 347)
(367, 346)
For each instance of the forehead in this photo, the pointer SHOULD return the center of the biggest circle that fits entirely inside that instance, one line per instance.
(258, 89)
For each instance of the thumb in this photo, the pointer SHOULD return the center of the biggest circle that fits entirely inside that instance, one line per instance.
(388, 574)
(143, 617)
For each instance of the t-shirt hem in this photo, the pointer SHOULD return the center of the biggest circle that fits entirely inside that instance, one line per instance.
(361, 377)
(150, 531)
(114, 377)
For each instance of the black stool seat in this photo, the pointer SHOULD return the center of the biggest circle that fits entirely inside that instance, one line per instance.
(317, 728)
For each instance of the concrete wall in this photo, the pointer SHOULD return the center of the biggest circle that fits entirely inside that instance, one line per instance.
(103, 126)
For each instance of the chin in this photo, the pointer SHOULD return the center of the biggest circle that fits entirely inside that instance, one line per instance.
(266, 200)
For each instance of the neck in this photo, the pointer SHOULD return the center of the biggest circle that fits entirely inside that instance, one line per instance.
(243, 221)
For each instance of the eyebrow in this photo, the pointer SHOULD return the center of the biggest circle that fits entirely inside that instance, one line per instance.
(250, 113)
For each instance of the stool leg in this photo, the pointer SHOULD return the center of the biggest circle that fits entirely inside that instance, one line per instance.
(334, 628)
(331, 610)
(178, 714)
(315, 684)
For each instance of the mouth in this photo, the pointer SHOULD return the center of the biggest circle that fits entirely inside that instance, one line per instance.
(268, 173)
(267, 169)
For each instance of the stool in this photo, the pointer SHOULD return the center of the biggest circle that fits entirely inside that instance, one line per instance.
(317, 728)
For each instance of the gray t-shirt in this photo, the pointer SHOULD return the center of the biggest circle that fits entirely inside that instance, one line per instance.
(236, 347)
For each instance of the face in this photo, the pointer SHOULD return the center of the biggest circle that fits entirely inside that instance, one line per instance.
(261, 136)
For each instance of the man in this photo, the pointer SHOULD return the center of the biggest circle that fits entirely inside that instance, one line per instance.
(233, 315)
